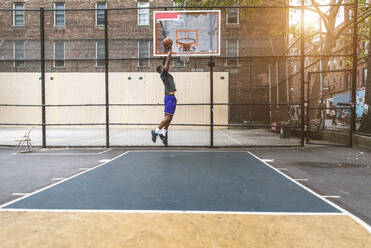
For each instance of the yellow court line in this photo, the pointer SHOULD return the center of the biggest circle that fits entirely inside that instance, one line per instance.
(230, 137)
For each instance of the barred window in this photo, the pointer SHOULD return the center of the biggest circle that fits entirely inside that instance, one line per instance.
(232, 52)
(18, 15)
(364, 77)
(58, 53)
(233, 16)
(178, 62)
(59, 14)
(143, 13)
(349, 82)
(144, 53)
(19, 53)
(100, 13)
(100, 53)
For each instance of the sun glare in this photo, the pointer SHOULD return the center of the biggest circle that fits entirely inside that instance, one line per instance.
(311, 18)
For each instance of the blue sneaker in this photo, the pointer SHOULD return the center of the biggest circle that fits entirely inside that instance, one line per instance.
(163, 139)
(154, 136)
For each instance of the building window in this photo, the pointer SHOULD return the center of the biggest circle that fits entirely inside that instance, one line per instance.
(143, 13)
(143, 50)
(232, 52)
(233, 16)
(18, 15)
(178, 62)
(349, 85)
(100, 53)
(19, 54)
(59, 14)
(59, 54)
(364, 77)
(99, 14)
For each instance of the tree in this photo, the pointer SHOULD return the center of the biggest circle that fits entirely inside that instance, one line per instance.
(332, 34)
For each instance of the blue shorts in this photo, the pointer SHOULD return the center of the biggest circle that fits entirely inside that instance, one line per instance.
(170, 104)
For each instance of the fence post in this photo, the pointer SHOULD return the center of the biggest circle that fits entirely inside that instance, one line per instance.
(302, 75)
(354, 79)
(106, 74)
(211, 64)
(42, 65)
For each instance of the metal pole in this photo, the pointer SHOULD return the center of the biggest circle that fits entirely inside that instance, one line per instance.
(278, 92)
(302, 74)
(286, 62)
(308, 122)
(42, 65)
(211, 65)
(321, 69)
(106, 73)
(270, 93)
(354, 79)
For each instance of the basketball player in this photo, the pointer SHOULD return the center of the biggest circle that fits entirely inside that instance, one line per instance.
(170, 99)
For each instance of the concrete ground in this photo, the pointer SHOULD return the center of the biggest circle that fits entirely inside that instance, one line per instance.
(141, 137)
(341, 175)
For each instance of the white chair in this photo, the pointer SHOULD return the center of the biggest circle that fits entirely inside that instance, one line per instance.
(24, 141)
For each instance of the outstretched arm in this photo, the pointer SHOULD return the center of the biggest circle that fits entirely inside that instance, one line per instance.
(168, 60)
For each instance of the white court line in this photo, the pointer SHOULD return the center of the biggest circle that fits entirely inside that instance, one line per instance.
(104, 151)
(331, 196)
(104, 160)
(58, 179)
(361, 222)
(168, 212)
(52, 185)
(301, 179)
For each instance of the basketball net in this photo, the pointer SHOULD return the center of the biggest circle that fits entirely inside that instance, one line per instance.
(186, 46)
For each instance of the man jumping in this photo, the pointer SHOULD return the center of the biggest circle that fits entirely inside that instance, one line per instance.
(170, 100)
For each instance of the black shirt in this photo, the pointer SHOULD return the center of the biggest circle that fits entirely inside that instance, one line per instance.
(168, 81)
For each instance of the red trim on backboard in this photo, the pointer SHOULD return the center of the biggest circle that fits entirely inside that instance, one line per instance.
(166, 16)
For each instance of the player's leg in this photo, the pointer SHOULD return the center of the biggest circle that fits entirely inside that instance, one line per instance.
(155, 132)
(163, 132)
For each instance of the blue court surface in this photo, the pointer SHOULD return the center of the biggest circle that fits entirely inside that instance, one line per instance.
(179, 181)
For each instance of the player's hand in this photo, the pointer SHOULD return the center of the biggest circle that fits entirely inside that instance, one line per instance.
(169, 48)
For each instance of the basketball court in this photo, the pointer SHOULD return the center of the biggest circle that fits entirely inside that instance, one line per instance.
(98, 86)
(179, 198)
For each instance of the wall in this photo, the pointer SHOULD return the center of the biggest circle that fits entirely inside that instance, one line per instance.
(89, 88)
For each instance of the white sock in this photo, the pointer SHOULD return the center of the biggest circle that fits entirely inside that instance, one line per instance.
(164, 132)
(157, 130)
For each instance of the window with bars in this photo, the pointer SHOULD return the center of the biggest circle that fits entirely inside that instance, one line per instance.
(349, 81)
(19, 54)
(101, 6)
(364, 77)
(232, 52)
(143, 13)
(178, 62)
(100, 53)
(143, 53)
(58, 53)
(233, 16)
(18, 15)
(59, 14)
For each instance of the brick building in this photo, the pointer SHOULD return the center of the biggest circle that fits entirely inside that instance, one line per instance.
(74, 42)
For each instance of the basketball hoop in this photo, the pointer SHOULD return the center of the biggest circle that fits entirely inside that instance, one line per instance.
(186, 45)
